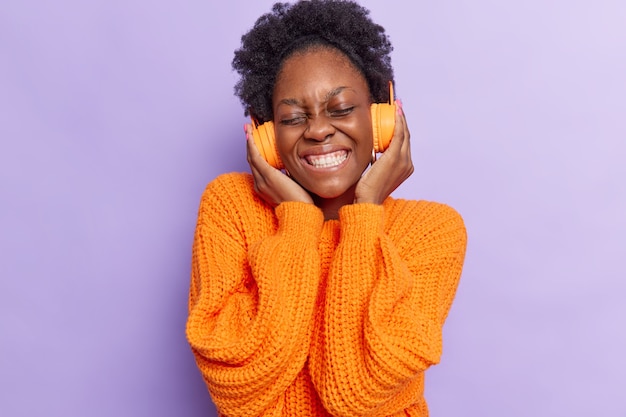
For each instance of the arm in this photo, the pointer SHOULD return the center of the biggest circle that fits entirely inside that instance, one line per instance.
(250, 309)
(387, 297)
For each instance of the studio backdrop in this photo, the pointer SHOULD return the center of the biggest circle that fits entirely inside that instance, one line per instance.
(114, 115)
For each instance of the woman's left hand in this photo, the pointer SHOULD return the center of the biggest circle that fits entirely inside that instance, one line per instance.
(390, 170)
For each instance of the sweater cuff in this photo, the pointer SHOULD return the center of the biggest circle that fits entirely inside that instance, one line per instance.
(362, 220)
(302, 220)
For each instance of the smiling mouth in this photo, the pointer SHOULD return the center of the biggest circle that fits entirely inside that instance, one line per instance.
(327, 160)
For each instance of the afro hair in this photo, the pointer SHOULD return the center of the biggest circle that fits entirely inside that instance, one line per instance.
(291, 28)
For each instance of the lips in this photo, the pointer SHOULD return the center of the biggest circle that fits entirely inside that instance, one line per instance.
(328, 160)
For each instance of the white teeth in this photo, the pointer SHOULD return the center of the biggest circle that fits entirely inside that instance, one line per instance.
(327, 161)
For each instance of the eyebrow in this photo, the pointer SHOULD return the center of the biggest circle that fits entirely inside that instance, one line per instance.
(335, 92)
(332, 93)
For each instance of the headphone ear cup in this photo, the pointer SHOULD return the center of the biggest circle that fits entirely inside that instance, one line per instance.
(264, 140)
(383, 123)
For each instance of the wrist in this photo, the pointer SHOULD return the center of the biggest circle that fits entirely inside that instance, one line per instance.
(295, 216)
(368, 200)
(362, 217)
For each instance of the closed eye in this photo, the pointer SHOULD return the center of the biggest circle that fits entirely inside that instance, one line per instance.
(342, 112)
(293, 121)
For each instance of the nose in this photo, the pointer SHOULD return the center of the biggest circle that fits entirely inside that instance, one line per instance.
(319, 128)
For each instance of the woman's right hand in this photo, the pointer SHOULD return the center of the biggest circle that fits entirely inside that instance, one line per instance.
(270, 183)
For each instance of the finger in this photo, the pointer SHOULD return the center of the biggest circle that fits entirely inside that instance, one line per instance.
(402, 153)
(252, 150)
(403, 126)
(256, 159)
(399, 129)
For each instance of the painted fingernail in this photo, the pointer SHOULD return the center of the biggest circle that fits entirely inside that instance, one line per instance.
(245, 129)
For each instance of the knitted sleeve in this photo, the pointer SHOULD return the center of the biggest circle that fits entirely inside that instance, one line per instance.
(391, 284)
(251, 298)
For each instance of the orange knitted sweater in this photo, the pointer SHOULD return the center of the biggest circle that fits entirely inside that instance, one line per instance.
(291, 315)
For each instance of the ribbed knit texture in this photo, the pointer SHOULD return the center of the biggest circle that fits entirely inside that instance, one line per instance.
(291, 315)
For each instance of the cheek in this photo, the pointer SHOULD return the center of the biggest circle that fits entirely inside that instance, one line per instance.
(285, 141)
(365, 135)
(365, 123)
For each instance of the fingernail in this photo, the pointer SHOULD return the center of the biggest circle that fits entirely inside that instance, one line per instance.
(245, 129)
(399, 103)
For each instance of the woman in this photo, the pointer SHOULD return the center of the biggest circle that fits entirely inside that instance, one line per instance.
(314, 292)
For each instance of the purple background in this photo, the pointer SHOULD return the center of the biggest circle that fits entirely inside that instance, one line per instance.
(115, 114)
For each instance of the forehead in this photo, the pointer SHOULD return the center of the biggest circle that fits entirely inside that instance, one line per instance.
(317, 68)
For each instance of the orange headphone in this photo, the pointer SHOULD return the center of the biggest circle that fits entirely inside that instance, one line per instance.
(383, 122)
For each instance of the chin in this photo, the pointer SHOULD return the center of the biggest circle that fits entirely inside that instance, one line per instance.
(332, 192)
(328, 186)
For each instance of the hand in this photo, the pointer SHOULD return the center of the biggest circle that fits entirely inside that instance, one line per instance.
(390, 170)
(270, 183)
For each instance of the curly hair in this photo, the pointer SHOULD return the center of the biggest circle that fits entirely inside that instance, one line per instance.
(290, 28)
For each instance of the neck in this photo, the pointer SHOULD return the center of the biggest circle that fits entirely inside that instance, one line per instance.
(330, 206)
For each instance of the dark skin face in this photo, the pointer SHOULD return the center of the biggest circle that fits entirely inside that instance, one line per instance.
(323, 130)
(323, 124)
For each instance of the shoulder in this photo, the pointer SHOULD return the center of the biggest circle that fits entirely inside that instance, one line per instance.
(420, 211)
(424, 219)
(230, 182)
(234, 187)
(228, 195)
